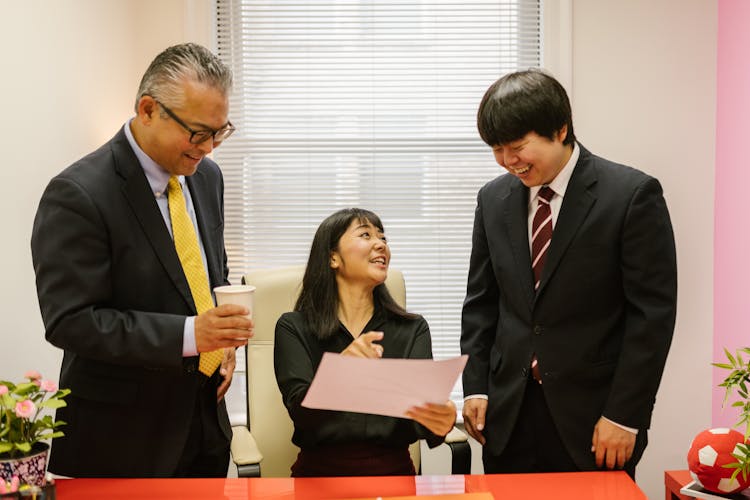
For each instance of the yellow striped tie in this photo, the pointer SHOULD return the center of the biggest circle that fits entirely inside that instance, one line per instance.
(186, 243)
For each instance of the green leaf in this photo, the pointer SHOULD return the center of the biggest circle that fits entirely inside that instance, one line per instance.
(24, 447)
(729, 355)
(5, 447)
(722, 365)
(7, 401)
(50, 435)
(25, 389)
(52, 403)
(45, 420)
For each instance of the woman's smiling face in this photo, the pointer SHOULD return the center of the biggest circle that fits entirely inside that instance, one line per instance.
(362, 254)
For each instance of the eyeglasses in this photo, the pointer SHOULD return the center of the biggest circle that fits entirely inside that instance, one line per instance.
(200, 136)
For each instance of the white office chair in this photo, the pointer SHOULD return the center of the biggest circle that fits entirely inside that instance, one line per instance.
(268, 435)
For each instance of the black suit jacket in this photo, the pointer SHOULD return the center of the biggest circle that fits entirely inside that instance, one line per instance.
(602, 320)
(113, 295)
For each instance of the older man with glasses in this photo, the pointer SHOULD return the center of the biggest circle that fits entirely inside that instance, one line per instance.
(127, 244)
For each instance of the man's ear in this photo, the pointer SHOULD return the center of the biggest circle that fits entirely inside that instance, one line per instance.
(562, 134)
(146, 108)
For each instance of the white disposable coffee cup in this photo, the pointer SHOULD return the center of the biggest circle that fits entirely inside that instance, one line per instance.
(241, 295)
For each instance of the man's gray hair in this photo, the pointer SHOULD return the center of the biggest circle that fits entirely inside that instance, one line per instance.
(167, 73)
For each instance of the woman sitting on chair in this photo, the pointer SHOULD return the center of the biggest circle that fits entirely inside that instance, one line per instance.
(344, 307)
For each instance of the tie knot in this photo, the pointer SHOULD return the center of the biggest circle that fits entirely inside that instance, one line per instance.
(174, 184)
(546, 193)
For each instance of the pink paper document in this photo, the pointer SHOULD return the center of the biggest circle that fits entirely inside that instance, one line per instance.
(381, 386)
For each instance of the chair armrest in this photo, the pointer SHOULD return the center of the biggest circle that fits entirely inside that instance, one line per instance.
(456, 435)
(245, 452)
(458, 442)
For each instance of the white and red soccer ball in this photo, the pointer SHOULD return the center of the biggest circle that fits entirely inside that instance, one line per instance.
(710, 451)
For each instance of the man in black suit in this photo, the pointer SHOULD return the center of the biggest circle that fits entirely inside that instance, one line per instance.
(113, 293)
(563, 371)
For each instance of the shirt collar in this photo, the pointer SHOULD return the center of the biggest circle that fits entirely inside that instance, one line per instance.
(560, 183)
(157, 177)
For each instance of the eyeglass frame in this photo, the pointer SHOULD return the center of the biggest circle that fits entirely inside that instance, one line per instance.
(227, 129)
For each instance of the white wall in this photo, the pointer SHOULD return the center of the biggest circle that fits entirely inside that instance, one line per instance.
(71, 69)
(643, 85)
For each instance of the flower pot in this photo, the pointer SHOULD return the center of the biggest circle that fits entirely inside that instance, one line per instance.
(30, 468)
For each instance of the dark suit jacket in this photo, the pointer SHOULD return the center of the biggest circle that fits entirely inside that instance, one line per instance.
(113, 295)
(602, 320)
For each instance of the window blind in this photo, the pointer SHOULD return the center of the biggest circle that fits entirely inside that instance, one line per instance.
(371, 104)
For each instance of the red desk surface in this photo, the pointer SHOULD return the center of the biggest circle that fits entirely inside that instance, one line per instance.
(560, 486)
(674, 480)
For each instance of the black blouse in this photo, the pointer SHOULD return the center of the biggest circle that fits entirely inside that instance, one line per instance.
(297, 354)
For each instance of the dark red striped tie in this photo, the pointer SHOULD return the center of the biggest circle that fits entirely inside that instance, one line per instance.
(541, 235)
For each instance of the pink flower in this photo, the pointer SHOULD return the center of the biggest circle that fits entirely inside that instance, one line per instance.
(48, 386)
(32, 375)
(9, 487)
(25, 408)
(3, 389)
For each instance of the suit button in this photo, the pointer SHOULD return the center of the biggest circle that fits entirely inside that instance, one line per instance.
(190, 364)
(538, 330)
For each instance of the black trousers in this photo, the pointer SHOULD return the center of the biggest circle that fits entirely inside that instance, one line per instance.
(535, 444)
(206, 452)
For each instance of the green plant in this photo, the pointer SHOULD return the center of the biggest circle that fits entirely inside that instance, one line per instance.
(738, 381)
(22, 424)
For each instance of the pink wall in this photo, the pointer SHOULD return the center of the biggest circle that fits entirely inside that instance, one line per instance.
(732, 203)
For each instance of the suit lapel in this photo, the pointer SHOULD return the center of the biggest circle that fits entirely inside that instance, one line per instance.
(578, 200)
(516, 218)
(138, 193)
